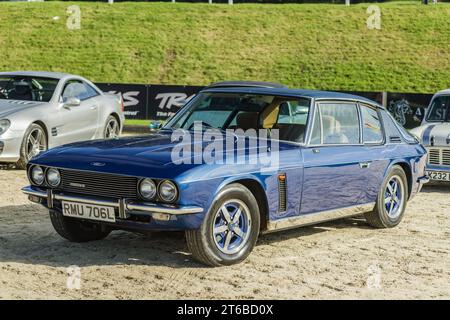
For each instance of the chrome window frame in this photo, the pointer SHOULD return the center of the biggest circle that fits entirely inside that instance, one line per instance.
(380, 119)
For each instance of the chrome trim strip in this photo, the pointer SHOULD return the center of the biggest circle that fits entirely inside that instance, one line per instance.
(151, 207)
(144, 206)
(318, 217)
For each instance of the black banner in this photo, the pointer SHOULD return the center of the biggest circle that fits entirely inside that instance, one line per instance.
(158, 102)
(408, 108)
(134, 97)
(164, 101)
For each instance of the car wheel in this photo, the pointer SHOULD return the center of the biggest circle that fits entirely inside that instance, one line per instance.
(34, 142)
(112, 128)
(76, 230)
(229, 230)
(391, 202)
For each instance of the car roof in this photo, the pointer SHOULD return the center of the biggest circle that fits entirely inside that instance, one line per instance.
(303, 93)
(446, 91)
(44, 74)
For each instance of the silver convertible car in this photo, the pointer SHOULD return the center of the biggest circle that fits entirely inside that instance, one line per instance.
(42, 110)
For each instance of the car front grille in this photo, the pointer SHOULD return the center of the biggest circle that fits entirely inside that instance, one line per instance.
(99, 184)
(439, 156)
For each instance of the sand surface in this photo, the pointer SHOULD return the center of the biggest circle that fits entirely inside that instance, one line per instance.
(342, 259)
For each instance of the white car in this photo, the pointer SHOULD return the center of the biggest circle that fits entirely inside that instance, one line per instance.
(41, 110)
(434, 133)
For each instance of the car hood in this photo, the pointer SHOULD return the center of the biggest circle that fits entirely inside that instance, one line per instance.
(437, 132)
(8, 107)
(138, 156)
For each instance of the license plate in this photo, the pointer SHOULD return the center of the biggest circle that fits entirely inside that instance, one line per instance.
(88, 211)
(439, 175)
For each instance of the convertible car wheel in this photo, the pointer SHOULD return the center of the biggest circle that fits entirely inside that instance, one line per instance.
(112, 129)
(76, 230)
(34, 142)
(229, 230)
(391, 202)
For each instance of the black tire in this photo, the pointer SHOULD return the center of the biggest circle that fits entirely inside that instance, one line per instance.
(76, 230)
(201, 242)
(24, 157)
(109, 120)
(379, 217)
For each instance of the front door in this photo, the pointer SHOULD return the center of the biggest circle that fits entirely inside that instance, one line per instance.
(78, 123)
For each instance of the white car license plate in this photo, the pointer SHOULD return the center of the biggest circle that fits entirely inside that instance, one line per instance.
(439, 175)
(88, 211)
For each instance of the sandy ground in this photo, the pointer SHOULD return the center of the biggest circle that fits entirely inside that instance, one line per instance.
(343, 259)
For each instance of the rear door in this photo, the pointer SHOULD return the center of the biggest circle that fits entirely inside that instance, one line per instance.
(336, 165)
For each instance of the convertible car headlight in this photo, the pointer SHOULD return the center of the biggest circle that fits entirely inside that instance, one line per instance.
(4, 125)
(147, 189)
(168, 191)
(37, 175)
(53, 177)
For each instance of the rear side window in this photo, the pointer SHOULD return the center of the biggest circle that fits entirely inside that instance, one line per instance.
(340, 123)
(372, 132)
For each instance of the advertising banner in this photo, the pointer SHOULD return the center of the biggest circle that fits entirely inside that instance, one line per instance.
(408, 108)
(134, 96)
(164, 101)
(159, 102)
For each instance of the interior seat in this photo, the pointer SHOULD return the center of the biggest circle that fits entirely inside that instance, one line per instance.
(247, 120)
(332, 132)
(21, 91)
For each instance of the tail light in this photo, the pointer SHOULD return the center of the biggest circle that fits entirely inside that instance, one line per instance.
(122, 105)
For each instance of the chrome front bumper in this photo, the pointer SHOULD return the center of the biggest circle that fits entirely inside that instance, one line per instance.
(157, 211)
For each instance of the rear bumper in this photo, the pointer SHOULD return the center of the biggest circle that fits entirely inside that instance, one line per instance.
(173, 217)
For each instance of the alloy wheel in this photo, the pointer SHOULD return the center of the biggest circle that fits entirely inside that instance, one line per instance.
(394, 197)
(231, 226)
(36, 143)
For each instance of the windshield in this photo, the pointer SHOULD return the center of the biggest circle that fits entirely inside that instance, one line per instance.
(245, 111)
(440, 109)
(27, 88)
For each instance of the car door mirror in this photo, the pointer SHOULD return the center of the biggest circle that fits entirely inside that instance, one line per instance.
(155, 125)
(72, 102)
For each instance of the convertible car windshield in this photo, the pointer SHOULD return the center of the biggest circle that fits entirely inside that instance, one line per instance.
(27, 88)
(440, 109)
(246, 111)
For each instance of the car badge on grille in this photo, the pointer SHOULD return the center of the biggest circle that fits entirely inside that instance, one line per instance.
(98, 164)
(77, 185)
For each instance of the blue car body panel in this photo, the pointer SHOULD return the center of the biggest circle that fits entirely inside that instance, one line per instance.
(315, 181)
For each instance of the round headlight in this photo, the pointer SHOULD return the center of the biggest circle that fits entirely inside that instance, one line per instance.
(37, 175)
(53, 177)
(168, 191)
(147, 189)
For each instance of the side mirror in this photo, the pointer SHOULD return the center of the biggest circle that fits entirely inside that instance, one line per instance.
(155, 125)
(72, 102)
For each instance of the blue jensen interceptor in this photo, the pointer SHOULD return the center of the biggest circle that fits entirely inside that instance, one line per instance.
(338, 155)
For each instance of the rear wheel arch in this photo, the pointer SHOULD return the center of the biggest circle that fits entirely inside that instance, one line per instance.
(115, 115)
(408, 172)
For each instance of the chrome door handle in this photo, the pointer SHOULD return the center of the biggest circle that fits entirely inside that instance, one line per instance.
(316, 150)
(364, 165)
(93, 107)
